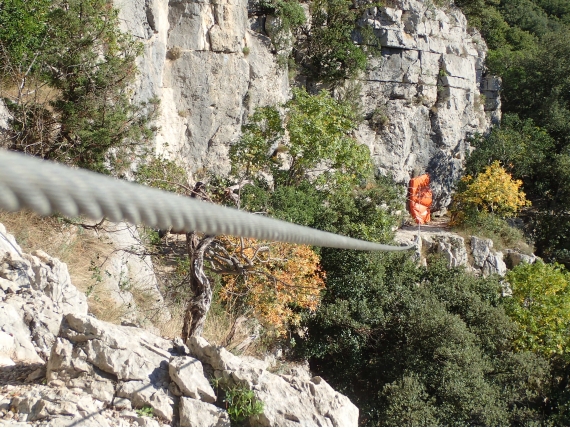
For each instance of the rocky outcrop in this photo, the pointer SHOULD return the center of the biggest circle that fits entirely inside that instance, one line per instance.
(35, 292)
(476, 254)
(485, 259)
(288, 400)
(425, 93)
(61, 366)
(211, 65)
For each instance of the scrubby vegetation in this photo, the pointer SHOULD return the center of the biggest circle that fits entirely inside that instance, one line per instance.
(409, 345)
(65, 71)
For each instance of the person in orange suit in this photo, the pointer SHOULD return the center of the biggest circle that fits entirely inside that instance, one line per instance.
(419, 198)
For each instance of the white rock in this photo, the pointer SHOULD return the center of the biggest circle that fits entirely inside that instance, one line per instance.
(195, 413)
(15, 341)
(188, 374)
(288, 401)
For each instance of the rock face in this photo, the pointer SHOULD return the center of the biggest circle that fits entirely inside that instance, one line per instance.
(96, 373)
(126, 271)
(485, 258)
(477, 255)
(211, 66)
(423, 95)
(208, 69)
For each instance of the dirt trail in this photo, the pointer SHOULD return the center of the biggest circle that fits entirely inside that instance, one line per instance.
(437, 224)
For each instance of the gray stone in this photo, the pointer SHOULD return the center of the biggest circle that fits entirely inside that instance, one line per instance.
(288, 401)
(52, 278)
(188, 374)
(127, 270)
(428, 82)
(484, 258)
(15, 342)
(515, 258)
(143, 394)
(195, 413)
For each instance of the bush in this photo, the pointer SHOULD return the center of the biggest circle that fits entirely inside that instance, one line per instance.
(540, 305)
(415, 346)
(73, 74)
(492, 191)
(331, 54)
(241, 404)
(318, 145)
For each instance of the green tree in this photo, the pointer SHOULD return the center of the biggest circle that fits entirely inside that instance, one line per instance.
(318, 143)
(332, 55)
(76, 106)
(415, 346)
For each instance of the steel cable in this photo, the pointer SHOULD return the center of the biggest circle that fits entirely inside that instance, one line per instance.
(48, 188)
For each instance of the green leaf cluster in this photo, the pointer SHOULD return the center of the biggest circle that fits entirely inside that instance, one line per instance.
(241, 404)
(314, 136)
(68, 82)
(540, 305)
(164, 174)
(421, 346)
(332, 55)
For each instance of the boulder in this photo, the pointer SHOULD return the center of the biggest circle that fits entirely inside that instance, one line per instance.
(515, 258)
(195, 413)
(485, 259)
(188, 374)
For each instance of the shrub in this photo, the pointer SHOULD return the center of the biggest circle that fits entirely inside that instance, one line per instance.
(318, 141)
(416, 346)
(241, 404)
(331, 54)
(174, 53)
(492, 191)
(72, 73)
(540, 305)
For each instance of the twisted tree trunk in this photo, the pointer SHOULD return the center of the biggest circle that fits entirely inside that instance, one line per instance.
(199, 305)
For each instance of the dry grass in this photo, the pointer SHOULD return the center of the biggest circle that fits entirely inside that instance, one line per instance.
(82, 249)
(73, 245)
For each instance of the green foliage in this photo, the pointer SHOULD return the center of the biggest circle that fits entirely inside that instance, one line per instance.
(417, 346)
(146, 411)
(332, 54)
(537, 85)
(521, 147)
(73, 105)
(164, 174)
(541, 307)
(291, 14)
(22, 32)
(318, 142)
(241, 404)
(493, 191)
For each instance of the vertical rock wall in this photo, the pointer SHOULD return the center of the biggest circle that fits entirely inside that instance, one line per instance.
(209, 71)
(210, 66)
(422, 96)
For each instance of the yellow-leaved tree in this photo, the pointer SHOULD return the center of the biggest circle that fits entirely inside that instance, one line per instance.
(494, 190)
(271, 279)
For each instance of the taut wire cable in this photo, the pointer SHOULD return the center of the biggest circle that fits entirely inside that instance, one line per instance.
(48, 188)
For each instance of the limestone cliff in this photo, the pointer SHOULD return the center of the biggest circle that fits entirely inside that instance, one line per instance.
(60, 366)
(427, 86)
(422, 96)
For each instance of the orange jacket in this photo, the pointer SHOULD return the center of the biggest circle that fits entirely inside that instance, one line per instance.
(420, 199)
